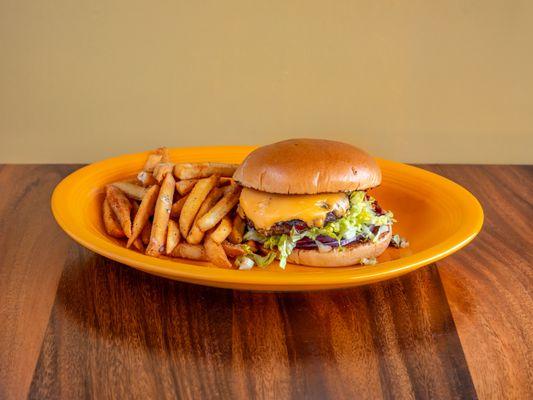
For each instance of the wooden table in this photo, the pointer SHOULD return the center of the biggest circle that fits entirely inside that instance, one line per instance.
(76, 325)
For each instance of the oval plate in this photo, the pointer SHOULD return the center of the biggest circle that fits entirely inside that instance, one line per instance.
(436, 215)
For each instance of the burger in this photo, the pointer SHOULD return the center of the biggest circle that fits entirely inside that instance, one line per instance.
(306, 202)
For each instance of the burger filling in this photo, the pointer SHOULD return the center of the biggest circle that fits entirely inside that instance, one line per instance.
(325, 222)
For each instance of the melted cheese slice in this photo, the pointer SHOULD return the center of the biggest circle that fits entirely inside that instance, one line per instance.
(266, 209)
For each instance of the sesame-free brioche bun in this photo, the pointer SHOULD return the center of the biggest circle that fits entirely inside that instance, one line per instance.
(349, 255)
(308, 166)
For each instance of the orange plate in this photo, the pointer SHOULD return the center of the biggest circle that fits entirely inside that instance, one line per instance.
(436, 215)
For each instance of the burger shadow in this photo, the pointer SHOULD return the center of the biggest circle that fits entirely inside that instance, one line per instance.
(117, 304)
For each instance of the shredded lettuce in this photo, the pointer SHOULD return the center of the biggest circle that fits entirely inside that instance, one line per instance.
(252, 234)
(244, 263)
(263, 261)
(358, 220)
(247, 249)
(399, 242)
(249, 259)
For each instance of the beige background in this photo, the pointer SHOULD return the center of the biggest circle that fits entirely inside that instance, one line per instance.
(418, 81)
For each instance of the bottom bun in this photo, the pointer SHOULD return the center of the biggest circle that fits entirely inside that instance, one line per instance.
(349, 255)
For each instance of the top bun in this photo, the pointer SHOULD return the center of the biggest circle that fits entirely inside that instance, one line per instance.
(308, 166)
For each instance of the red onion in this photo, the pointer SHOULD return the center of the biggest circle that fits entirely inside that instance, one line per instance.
(307, 243)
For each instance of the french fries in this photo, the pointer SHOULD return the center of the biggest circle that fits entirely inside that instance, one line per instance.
(237, 230)
(151, 162)
(224, 180)
(134, 209)
(161, 216)
(161, 170)
(121, 206)
(224, 205)
(203, 224)
(240, 212)
(215, 253)
(190, 251)
(233, 250)
(159, 155)
(173, 236)
(236, 250)
(195, 235)
(203, 170)
(143, 214)
(175, 211)
(222, 230)
(146, 178)
(112, 227)
(194, 201)
(185, 186)
(165, 156)
(138, 244)
(131, 190)
(145, 234)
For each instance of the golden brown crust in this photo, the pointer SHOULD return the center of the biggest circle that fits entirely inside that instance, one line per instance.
(308, 166)
(350, 255)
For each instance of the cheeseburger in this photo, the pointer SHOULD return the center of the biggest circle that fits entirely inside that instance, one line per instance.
(306, 202)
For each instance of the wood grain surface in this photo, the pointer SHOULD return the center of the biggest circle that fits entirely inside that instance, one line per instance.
(33, 251)
(489, 285)
(76, 325)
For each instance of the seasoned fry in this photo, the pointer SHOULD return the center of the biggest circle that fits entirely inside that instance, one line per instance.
(134, 208)
(165, 156)
(112, 227)
(145, 210)
(236, 250)
(240, 212)
(224, 181)
(190, 251)
(215, 253)
(237, 230)
(175, 211)
(194, 201)
(152, 161)
(222, 230)
(203, 170)
(195, 235)
(138, 244)
(184, 210)
(233, 250)
(161, 216)
(161, 170)
(121, 206)
(145, 234)
(131, 190)
(224, 205)
(173, 236)
(185, 186)
(146, 179)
